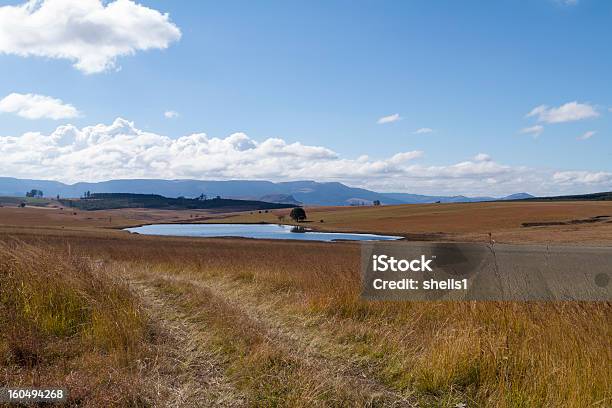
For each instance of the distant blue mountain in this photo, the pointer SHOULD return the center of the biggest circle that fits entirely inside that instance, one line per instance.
(424, 199)
(518, 196)
(295, 192)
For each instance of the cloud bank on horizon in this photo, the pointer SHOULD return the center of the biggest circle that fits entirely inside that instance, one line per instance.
(121, 150)
(91, 33)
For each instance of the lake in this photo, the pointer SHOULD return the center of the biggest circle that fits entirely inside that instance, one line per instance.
(258, 231)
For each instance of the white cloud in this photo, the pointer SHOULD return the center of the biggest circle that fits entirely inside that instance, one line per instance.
(404, 157)
(121, 150)
(91, 33)
(533, 130)
(171, 114)
(587, 135)
(482, 157)
(568, 2)
(389, 119)
(423, 131)
(568, 112)
(32, 106)
(583, 177)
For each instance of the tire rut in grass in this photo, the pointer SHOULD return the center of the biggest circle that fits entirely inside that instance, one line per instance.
(335, 381)
(186, 374)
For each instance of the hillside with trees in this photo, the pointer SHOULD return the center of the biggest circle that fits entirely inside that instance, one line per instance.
(107, 201)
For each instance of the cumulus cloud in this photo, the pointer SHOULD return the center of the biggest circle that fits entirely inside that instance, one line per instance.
(121, 150)
(423, 131)
(583, 177)
(171, 114)
(569, 112)
(533, 130)
(482, 157)
(91, 33)
(389, 119)
(400, 158)
(33, 106)
(587, 135)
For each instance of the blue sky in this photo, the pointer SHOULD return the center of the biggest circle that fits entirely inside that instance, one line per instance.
(322, 74)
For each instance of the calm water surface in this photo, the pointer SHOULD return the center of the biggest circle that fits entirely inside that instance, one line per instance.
(261, 231)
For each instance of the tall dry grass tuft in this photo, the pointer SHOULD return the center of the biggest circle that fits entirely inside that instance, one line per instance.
(67, 322)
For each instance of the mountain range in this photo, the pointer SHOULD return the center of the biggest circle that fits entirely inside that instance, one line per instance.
(292, 192)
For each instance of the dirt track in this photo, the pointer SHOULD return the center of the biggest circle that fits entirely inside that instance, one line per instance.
(184, 311)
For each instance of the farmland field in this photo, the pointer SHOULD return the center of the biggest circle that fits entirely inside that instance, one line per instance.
(128, 320)
(578, 222)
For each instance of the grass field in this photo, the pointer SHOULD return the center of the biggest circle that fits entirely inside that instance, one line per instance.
(31, 201)
(463, 221)
(58, 217)
(128, 320)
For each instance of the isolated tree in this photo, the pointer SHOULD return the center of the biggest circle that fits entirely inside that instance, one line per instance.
(298, 214)
(34, 193)
(376, 202)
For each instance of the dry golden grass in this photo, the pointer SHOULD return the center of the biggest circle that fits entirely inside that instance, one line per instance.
(462, 221)
(67, 322)
(264, 365)
(64, 217)
(440, 222)
(284, 325)
(235, 322)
